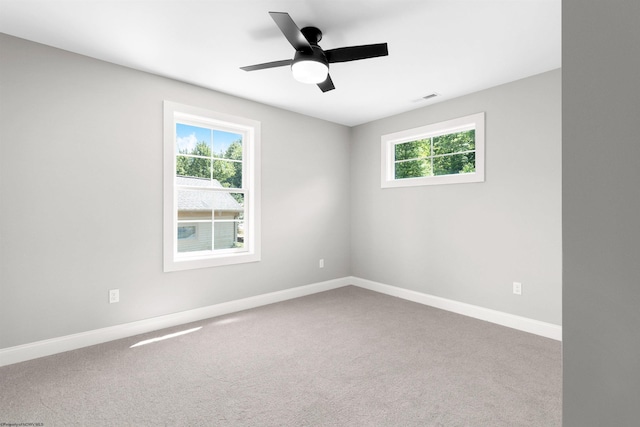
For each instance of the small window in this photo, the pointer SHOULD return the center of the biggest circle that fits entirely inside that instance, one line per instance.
(186, 232)
(211, 203)
(443, 153)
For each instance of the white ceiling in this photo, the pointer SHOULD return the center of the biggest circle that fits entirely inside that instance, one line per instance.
(450, 47)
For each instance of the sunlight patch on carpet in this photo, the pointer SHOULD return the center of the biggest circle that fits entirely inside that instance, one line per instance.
(165, 337)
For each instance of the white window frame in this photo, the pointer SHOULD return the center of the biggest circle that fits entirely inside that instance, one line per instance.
(461, 124)
(250, 130)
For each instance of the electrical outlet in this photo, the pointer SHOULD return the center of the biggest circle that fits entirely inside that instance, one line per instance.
(517, 288)
(114, 296)
(321, 263)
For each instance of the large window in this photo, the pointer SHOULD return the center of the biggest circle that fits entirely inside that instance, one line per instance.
(443, 153)
(211, 188)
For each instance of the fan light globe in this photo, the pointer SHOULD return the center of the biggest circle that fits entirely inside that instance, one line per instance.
(309, 71)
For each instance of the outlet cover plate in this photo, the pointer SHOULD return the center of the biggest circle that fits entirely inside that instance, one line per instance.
(114, 296)
(517, 288)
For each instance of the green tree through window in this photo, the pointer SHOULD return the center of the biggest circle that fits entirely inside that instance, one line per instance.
(447, 154)
(225, 167)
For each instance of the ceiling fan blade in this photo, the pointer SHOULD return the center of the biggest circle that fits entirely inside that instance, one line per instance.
(267, 65)
(291, 31)
(354, 53)
(326, 85)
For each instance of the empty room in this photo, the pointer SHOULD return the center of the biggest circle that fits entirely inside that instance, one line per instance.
(319, 213)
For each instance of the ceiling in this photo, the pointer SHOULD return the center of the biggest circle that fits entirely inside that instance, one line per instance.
(447, 47)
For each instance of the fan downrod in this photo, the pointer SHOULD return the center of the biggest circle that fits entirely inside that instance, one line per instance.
(312, 34)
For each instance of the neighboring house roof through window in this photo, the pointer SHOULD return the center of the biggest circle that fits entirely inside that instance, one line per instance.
(205, 200)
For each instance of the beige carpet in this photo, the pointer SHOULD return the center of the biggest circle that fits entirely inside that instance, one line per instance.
(346, 357)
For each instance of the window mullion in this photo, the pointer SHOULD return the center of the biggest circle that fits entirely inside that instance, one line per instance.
(213, 229)
(212, 151)
(432, 155)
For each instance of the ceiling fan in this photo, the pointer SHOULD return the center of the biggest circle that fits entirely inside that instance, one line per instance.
(310, 63)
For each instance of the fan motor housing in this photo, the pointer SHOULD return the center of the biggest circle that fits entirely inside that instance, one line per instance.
(316, 54)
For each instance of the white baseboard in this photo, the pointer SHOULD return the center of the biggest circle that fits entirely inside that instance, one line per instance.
(525, 324)
(48, 347)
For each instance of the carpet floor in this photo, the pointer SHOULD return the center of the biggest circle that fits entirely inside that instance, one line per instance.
(346, 357)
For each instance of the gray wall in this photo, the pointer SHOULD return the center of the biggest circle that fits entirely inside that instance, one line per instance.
(64, 245)
(81, 191)
(470, 242)
(601, 212)
(81, 194)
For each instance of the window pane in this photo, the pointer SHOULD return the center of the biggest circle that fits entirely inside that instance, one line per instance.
(240, 235)
(193, 140)
(413, 149)
(227, 145)
(193, 166)
(454, 142)
(194, 236)
(228, 224)
(228, 173)
(199, 205)
(239, 206)
(454, 164)
(226, 235)
(228, 205)
(195, 204)
(413, 169)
